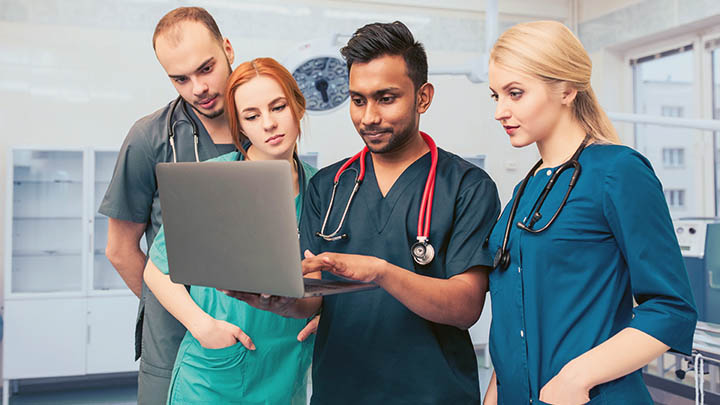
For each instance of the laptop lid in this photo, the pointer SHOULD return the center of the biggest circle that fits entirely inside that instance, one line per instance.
(231, 225)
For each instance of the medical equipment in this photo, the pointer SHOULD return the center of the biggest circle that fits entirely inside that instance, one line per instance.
(502, 256)
(171, 128)
(421, 251)
(696, 237)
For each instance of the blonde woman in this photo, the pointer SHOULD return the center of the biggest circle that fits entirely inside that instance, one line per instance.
(585, 232)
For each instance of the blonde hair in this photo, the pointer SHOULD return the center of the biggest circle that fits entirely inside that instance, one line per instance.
(549, 51)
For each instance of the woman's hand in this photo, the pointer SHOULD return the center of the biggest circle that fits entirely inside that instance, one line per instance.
(216, 334)
(309, 329)
(566, 388)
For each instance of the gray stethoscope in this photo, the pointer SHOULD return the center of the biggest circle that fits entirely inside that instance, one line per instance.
(171, 128)
(502, 256)
(422, 251)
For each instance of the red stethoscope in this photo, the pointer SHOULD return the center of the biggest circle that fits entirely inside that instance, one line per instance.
(421, 251)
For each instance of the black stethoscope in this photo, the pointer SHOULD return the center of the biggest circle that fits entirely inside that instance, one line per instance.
(502, 256)
(171, 128)
(422, 251)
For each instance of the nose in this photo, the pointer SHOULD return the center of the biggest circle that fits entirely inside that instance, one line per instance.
(370, 115)
(200, 87)
(502, 112)
(268, 121)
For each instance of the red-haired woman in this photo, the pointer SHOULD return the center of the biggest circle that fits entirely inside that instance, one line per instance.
(233, 353)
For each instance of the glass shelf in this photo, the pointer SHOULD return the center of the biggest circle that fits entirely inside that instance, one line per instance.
(49, 273)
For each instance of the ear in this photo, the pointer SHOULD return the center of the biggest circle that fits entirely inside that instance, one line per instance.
(229, 51)
(568, 95)
(424, 97)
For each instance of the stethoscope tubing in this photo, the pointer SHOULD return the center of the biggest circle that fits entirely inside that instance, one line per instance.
(171, 128)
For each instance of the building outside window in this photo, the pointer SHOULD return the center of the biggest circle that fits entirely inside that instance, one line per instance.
(672, 111)
(673, 157)
(675, 198)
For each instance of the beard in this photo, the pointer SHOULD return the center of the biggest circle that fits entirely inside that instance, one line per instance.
(221, 111)
(398, 138)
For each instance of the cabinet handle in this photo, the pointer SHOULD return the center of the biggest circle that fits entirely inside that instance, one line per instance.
(88, 334)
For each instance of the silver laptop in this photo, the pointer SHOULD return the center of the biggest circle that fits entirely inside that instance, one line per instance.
(232, 225)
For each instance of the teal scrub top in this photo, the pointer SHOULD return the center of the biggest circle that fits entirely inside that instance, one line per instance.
(370, 348)
(571, 287)
(274, 373)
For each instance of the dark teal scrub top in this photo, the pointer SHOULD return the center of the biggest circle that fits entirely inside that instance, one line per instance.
(370, 348)
(571, 287)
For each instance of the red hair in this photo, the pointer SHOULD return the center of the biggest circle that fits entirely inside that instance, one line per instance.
(247, 71)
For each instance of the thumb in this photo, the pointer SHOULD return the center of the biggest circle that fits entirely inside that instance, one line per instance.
(308, 253)
(243, 338)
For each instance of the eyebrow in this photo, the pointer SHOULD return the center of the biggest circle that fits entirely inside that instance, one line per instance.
(201, 67)
(270, 103)
(376, 93)
(505, 87)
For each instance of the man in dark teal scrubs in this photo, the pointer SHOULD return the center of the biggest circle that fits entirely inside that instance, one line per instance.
(406, 342)
(197, 59)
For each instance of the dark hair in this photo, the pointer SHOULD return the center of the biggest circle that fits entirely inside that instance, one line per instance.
(181, 14)
(379, 39)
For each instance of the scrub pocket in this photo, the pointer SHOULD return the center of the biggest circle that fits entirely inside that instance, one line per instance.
(210, 376)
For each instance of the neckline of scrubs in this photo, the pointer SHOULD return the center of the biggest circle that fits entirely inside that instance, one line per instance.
(383, 206)
(206, 146)
(552, 170)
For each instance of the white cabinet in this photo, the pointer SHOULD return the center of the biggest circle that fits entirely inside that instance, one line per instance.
(67, 312)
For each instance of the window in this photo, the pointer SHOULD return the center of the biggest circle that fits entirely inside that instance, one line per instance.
(477, 160)
(664, 84)
(675, 198)
(671, 111)
(673, 157)
(716, 111)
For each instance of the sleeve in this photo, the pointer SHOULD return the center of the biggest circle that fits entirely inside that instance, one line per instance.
(158, 252)
(635, 208)
(310, 219)
(476, 211)
(131, 190)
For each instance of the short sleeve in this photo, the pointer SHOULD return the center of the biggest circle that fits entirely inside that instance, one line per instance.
(635, 208)
(158, 252)
(476, 211)
(310, 218)
(132, 187)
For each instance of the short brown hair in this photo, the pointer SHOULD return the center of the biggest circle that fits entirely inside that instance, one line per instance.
(247, 71)
(181, 14)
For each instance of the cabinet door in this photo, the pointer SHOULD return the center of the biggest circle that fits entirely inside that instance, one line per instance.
(44, 338)
(111, 334)
(47, 222)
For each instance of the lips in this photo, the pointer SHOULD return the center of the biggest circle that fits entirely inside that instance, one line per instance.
(275, 139)
(510, 129)
(207, 103)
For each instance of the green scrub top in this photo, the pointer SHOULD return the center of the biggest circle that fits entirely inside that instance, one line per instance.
(571, 287)
(370, 348)
(274, 373)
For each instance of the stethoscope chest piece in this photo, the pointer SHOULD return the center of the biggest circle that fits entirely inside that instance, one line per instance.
(422, 252)
(502, 259)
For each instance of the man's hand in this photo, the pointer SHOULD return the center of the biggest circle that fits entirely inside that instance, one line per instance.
(217, 334)
(265, 302)
(367, 269)
(309, 329)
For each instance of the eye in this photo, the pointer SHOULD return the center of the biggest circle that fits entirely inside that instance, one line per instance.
(387, 99)
(180, 80)
(515, 94)
(358, 101)
(207, 69)
(250, 117)
(494, 96)
(279, 107)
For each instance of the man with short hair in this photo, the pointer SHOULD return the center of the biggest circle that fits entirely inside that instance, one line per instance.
(406, 342)
(197, 58)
